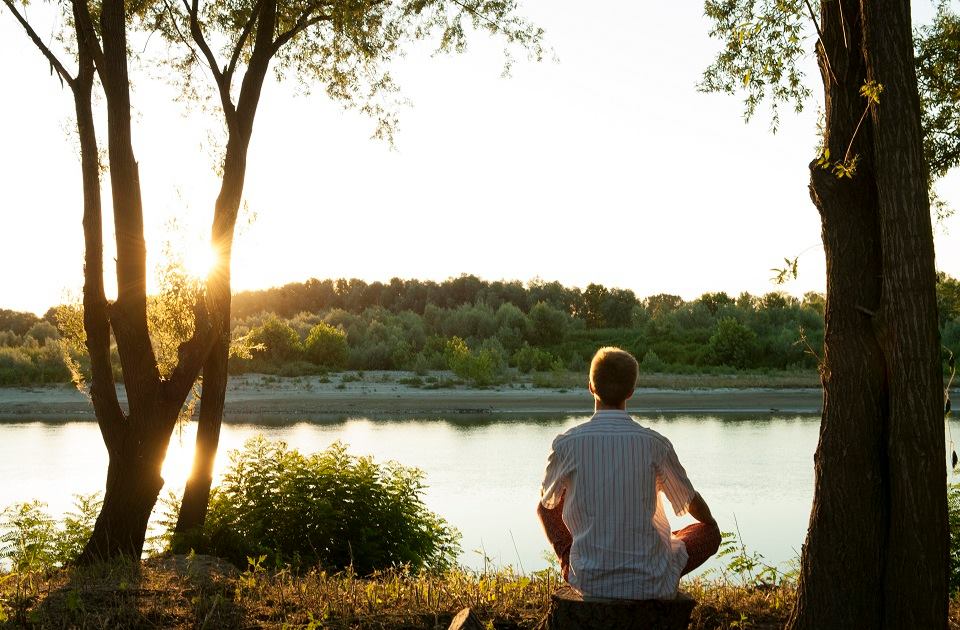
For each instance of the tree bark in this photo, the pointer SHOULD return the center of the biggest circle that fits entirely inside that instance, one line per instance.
(239, 123)
(916, 566)
(879, 511)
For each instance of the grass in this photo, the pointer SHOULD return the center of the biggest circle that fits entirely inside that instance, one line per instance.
(203, 592)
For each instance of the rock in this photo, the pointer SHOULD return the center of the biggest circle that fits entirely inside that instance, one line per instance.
(568, 611)
(465, 620)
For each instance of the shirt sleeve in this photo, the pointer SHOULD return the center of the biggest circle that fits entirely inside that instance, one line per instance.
(554, 479)
(672, 480)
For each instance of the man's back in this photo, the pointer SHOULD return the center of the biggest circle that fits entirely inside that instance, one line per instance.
(608, 471)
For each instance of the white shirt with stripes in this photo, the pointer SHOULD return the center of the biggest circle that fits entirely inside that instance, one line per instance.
(611, 471)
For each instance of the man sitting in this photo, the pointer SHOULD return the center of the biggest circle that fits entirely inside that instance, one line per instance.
(600, 504)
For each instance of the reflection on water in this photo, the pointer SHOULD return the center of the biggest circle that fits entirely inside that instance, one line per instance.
(483, 473)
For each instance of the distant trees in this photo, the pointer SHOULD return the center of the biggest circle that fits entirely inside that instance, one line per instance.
(712, 332)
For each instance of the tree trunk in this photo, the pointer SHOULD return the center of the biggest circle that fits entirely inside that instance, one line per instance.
(133, 485)
(196, 494)
(879, 510)
(915, 568)
(239, 123)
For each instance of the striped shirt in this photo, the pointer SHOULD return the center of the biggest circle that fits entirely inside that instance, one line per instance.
(611, 472)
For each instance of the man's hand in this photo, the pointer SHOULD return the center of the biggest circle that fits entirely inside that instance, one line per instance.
(699, 510)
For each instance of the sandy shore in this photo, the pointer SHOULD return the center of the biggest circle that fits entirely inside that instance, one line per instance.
(381, 393)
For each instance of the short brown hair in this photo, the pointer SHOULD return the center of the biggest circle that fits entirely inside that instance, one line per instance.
(613, 374)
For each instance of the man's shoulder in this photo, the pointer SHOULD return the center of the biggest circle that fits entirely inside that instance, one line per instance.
(625, 426)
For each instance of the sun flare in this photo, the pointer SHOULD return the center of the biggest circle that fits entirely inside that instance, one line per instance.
(199, 261)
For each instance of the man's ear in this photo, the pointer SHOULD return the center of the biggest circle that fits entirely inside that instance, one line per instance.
(630, 396)
(590, 387)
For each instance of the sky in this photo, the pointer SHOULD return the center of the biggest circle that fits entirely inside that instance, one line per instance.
(602, 165)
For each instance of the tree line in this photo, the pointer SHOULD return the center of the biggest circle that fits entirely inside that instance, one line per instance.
(466, 322)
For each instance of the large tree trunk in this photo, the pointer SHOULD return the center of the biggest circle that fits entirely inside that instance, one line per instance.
(136, 441)
(879, 512)
(239, 122)
(133, 485)
(915, 567)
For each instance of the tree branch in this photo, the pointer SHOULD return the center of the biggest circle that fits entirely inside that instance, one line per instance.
(302, 24)
(197, 33)
(247, 29)
(85, 29)
(32, 34)
(191, 354)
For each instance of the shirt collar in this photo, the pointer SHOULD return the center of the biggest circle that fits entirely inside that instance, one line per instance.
(611, 413)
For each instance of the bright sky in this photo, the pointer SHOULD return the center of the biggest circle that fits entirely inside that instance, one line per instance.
(606, 166)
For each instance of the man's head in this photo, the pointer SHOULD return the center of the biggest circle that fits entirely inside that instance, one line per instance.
(613, 376)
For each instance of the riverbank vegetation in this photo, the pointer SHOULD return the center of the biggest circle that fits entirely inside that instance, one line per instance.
(485, 332)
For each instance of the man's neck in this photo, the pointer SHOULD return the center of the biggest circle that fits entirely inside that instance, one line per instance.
(600, 406)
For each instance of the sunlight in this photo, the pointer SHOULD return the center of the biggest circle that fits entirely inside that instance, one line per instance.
(199, 261)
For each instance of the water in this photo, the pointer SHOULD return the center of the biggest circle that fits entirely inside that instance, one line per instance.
(755, 471)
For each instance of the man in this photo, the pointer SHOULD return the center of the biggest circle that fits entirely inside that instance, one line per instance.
(601, 506)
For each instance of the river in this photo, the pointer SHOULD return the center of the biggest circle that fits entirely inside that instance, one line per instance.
(483, 472)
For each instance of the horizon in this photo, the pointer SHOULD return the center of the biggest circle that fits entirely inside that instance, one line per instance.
(525, 283)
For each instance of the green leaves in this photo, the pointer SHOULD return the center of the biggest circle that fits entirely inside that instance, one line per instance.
(763, 43)
(328, 508)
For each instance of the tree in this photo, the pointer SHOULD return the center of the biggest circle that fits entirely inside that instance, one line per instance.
(879, 511)
(732, 343)
(344, 45)
(136, 439)
(326, 346)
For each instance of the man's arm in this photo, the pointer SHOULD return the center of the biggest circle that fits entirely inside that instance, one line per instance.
(699, 510)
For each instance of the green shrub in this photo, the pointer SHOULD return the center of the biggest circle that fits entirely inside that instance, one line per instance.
(326, 345)
(277, 340)
(953, 508)
(328, 508)
(32, 540)
(531, 359)
(651, 362)
(481, 367)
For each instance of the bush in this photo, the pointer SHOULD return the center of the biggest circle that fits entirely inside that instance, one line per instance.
(481, 367)
(278, 341)
(531, 359)
(326, 346)
(732, 343)
(328, 508)
(953, 508)
(652, 363)
(32, 540)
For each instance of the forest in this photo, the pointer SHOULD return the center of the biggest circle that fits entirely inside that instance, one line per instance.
(485, 331)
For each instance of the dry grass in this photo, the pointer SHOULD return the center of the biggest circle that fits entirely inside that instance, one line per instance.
(205, 593)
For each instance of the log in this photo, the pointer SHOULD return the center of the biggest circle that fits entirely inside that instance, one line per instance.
(568, 611)
(465, 620)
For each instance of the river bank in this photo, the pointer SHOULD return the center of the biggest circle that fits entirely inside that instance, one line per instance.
(403, 393)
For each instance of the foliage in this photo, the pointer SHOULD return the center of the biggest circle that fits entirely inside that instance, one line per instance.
(278, 341)
(531, 359)
(326, 346)
(481, 367)
(763, 42)
(732, 343)
(32, 540)
(381, 332)
(330, 509)
(938, 78)
(953, 509)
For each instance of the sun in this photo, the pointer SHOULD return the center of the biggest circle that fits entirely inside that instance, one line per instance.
(199, 261)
